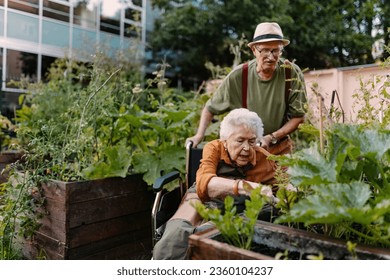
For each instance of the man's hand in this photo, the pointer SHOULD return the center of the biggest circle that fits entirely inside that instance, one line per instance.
(195, 140)
(205, 120)
(266, 142)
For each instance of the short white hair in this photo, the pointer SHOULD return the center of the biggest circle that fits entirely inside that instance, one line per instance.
(238, 117)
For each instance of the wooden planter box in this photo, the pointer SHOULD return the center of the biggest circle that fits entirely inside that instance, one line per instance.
(6, 158)
(97, 219)
(271, 239)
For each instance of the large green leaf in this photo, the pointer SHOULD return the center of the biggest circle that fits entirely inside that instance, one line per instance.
(337, 203)
(371, 143)
(308, 167)
(116, 163)
(175, 116)
(153, 165)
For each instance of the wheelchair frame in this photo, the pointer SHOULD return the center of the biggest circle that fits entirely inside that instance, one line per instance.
(167, 202)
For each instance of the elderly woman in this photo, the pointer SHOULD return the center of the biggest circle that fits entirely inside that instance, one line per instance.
(225, 164)
(233, 158)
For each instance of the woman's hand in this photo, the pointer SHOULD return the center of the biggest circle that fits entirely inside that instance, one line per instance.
(265, 191)
(291, 188)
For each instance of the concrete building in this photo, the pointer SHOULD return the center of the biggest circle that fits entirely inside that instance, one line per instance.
(33, 33)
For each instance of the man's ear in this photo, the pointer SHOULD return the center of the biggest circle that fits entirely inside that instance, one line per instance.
(253, 50)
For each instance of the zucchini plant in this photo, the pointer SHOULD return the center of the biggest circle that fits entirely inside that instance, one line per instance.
(346, 189)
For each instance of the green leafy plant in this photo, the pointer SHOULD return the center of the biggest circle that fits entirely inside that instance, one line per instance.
(372, 100)
(93, 121)
(20, 207)
(6, 128)
(237, 230)
(346, 190)
(109, 127)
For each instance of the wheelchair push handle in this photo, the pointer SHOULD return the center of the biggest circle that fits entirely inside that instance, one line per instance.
(189, 145)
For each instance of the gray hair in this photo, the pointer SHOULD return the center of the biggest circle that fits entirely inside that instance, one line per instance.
(239, 117)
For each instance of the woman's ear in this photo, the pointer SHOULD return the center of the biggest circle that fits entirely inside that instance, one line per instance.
(224, 144)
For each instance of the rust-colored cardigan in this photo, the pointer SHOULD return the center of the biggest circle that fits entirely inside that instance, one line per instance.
(261, 170)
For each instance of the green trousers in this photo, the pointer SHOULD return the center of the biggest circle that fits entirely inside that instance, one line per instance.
(174, 243)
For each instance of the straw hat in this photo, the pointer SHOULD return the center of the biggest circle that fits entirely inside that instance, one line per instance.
(267, 32)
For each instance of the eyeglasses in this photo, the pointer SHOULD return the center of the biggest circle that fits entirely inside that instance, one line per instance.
(267, 52)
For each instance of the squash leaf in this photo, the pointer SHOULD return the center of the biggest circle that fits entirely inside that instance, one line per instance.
(335, 203)
(151, 164)
(115, 164)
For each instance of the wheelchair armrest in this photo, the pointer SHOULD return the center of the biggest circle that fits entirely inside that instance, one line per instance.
(163, 180)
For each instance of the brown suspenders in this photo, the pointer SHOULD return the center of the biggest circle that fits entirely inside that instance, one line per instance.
(244, 91)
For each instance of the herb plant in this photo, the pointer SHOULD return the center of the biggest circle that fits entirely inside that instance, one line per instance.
(237, 230)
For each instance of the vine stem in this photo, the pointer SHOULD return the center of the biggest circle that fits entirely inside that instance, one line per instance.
(368, 237)
(90, 98)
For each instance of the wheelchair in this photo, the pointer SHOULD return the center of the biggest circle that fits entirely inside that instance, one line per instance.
(167, 202)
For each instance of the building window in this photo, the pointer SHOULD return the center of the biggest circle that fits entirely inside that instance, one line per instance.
(84, 40)
(132, 31)
(1, 22)
(29, 6)
(85, 13)
(55, 11)
(22, 26)
(55, 33)
(132, 14)
(110, 16)
(137, 3)
(21, 66)
(46, 64)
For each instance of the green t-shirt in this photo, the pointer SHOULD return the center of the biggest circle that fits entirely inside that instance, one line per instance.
(266, 98)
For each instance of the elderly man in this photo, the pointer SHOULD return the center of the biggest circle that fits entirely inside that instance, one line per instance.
(268, 85)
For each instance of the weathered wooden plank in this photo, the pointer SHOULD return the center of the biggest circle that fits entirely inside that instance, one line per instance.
(6, 158)
(95, 189)
(136, 250)
(98, 219)
(88, 212)
(118, 242)
(43, 247)
(203, 247)
(53, 227)
(55, 190)
(108, 228)
(54, 209)
(278, 238)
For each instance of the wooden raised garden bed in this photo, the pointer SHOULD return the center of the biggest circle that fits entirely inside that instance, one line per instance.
(271, 239)
(7, 157)
(97, 219)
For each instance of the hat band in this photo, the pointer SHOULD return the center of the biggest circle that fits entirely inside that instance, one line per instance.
(267, 36)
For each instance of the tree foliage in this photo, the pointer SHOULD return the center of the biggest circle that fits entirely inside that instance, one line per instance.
(323, 34)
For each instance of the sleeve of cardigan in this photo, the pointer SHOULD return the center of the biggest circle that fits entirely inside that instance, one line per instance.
(207, 169)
